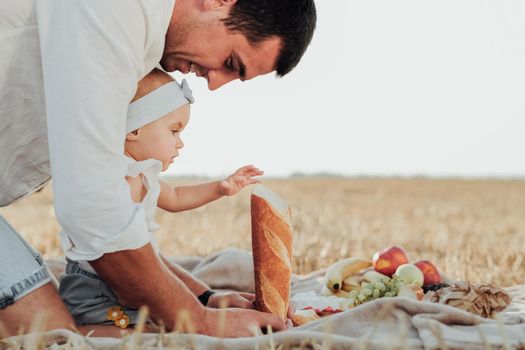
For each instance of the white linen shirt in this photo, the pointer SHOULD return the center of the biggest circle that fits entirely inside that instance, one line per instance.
(149, 171)
(68, 70)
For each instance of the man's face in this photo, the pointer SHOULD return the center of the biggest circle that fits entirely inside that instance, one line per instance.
(207, 48)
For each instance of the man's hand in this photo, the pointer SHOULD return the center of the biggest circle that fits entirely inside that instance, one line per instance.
(289, 316)
(238, 180)
(234, 323)
(244, 301)
(231, 299)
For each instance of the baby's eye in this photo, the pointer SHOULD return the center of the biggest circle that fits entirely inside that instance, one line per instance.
(174, 131)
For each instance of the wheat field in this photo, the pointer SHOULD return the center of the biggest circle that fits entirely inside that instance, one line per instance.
(471, 229)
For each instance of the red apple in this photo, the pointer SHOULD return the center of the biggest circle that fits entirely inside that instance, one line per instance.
(387, 260)
(430, 272)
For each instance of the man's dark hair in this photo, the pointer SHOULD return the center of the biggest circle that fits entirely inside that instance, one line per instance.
(291, 20)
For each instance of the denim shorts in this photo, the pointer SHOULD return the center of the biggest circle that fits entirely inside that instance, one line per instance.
(88, 297)
(22, 269)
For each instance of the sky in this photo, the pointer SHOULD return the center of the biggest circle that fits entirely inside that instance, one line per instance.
(386, 88)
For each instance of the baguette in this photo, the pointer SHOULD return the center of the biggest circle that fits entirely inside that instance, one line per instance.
(272, 251)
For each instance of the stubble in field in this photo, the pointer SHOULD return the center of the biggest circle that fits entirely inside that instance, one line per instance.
(472, 230)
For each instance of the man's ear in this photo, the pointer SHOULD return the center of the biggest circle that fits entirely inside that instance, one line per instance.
(133, 136)
(217, 4)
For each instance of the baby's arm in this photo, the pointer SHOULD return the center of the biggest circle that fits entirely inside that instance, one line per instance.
(136, 187)
(190, 197)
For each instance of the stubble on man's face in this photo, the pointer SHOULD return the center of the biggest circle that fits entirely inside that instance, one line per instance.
(206, 47)
(176, 42)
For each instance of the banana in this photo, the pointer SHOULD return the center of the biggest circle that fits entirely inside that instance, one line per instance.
(328, 293)
(352, 283)
(341, 294)
(338, 272)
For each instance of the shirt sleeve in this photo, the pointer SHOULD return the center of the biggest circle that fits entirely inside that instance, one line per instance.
(92, 58)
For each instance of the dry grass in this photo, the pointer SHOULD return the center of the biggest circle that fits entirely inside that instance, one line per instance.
(472, 230)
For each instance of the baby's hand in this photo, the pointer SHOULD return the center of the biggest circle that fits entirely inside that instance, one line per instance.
(238, 180)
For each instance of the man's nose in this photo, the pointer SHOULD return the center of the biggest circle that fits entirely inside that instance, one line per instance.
(217, 78)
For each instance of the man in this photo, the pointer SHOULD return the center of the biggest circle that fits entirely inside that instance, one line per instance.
(68, 71)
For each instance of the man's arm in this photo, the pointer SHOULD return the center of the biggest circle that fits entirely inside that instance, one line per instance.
(219, 299)
(90, 68)
(194, 285)
(143, 280)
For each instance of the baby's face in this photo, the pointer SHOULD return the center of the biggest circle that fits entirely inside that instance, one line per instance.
(160, 139)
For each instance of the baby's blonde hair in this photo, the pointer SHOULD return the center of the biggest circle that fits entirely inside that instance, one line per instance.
(153, 80)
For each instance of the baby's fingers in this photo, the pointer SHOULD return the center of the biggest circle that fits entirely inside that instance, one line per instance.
(250, 169)
(254, 171)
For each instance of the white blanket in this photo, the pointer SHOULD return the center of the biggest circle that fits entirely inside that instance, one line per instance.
(380, 324)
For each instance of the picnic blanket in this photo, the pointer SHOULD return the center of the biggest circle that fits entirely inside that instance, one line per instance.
(380, 324)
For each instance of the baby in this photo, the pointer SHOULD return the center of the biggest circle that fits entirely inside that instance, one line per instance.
(158, 114)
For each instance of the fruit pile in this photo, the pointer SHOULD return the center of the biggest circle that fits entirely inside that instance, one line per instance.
(389, 274)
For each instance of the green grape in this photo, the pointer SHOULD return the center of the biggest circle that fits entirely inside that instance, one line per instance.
(374, 290)
(353, 294)
(379, 285)
(391, 289)
(366, 291)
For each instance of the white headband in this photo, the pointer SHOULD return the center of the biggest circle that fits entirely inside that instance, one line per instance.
(157, 104)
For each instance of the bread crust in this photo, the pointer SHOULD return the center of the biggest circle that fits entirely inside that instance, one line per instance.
(272, 237)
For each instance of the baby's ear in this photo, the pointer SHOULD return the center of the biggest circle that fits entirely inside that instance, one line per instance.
(133, 136)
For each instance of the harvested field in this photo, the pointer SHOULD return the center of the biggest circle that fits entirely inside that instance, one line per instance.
(471, 229)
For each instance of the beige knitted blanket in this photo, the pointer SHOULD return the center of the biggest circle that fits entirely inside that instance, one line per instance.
(380, 324)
